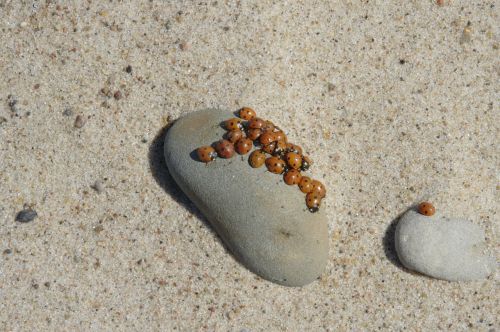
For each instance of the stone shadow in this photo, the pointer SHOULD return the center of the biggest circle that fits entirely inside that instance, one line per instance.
(162, 176)
(388, 242)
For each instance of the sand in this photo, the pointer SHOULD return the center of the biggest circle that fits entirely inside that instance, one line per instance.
(395, 101)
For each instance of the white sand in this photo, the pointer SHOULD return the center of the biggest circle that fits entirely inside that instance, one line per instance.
(384, 135)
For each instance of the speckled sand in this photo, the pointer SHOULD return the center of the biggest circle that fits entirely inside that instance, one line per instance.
(391, 98)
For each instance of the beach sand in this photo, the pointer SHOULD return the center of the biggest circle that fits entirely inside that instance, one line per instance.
(396, 102)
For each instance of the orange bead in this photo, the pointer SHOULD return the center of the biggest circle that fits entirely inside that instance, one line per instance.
(426, 209)
(292, 177)
(266, 138)
(256, 123)
(318, 188)
(305, 184)
(313, 201)
(293, 148)
(246, 113)
(280, 136)
(233, 124)
(234, 135)
(268, 126)
(275, 165)
(224, 148)
(243, 146)
(206, 154)
(257, 158)
(294, 160)
(254, 133)
(269, 148)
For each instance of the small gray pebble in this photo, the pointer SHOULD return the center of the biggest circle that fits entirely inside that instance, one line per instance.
(2, 120)
(79, 121)
(68, 112)
(443, 248)
(97, 186)
(26, 215)
(12, 102)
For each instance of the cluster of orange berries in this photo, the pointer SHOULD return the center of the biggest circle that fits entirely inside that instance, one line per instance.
(274, 150)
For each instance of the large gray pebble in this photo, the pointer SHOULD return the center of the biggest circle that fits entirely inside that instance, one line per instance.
(263, 221)
(449, 249)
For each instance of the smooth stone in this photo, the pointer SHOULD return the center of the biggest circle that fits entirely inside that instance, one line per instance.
(443, 248)
(263, 221)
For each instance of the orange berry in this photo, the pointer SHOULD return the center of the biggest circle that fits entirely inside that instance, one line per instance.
(233, 124)
(318, 188)
(246, 113)
(292, 177)
(305, 184)
(426, 209)
(275, 165)
(257, 158)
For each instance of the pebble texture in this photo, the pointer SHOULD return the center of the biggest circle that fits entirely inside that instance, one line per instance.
(443, 248)
(394, 107)
(263, 221)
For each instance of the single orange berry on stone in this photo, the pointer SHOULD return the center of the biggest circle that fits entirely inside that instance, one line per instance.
(426, 209)
(234, 135)
(292, 177)
(233, 124)
(243, 145)
(294, 160)
(257, 158)
(246, 113)
(275, 165)
(224, 148)
(318, 188)
(206, 154)
(305, 184)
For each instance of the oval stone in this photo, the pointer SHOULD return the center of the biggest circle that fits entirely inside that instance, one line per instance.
(263, 221)
(443, 248)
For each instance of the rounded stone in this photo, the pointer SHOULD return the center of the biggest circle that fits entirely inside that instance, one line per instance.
(263, 221)
(443, 248)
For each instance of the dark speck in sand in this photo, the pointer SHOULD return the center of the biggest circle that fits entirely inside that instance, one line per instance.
(98, 187)
(26, 215)
(12, 102)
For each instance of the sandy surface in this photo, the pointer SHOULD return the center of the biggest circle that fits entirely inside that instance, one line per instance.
(391, 98)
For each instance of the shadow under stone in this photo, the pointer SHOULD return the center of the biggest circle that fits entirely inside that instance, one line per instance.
(162, 176)
(388, 242)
